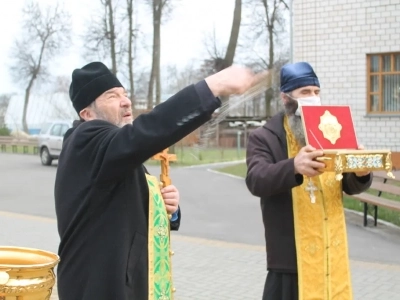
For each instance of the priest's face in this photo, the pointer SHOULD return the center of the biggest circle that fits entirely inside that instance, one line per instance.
(290, 102)
(306, 91)
(113, 106)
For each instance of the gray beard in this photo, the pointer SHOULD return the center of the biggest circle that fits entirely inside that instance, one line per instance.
(295, 123)
(102, 116)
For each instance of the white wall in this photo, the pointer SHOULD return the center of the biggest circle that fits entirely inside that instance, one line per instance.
(334, 36)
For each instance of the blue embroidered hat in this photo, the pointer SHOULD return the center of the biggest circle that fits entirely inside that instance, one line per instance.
(297, 75)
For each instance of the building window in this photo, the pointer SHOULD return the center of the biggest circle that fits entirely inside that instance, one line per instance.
(383, 83)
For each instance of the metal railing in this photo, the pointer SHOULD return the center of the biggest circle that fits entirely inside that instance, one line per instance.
(17, 143)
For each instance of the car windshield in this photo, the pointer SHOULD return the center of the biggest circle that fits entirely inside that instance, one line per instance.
(45, 128)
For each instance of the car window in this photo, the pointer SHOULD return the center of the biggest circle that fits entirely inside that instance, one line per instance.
(55, 130)
(64, 130)
(45, 128)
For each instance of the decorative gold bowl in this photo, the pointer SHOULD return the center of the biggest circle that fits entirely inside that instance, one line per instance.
(26, 273)
(348, 161)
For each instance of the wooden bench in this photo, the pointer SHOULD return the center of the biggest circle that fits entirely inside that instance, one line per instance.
(382, 184)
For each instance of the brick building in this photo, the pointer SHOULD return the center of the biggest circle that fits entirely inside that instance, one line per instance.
(354, 47)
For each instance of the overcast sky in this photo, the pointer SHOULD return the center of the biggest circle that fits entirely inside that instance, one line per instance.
(182, 35)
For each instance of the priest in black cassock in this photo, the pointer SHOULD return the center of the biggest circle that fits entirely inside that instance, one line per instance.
(112, 216)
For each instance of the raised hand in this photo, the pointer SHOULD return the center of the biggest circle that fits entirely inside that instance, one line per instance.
(234, 80)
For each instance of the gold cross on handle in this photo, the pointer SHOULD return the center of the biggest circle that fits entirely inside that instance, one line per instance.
(165, 158)
(311, 188)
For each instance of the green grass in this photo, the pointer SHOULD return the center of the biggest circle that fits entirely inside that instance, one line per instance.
(348, 202)
(238, 170)
(192, 156)
(185, 156)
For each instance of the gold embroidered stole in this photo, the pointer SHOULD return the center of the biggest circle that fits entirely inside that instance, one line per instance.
(160, 267)
(320, 234)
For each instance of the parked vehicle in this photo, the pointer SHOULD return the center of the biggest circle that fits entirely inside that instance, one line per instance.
(50, 140)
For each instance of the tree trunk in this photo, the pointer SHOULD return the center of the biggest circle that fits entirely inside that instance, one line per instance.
(130, 51)
(26, 103)
(230, 51)
(112, 37)
(30, 84)
(269, 95)
(271, 46)
(151, 89)
(233, 39)
(155, 64)
(4, 102)
(157, 54)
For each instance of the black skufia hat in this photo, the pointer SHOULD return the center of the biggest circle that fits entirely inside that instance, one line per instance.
(90, 82)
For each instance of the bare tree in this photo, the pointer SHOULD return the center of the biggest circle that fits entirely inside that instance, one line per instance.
(215, 62)
(4, 102)
(268, 25)
(62, 84)
(111, 33)
(142, 83)
(218, 60)
(233, 40)
(159, 8)
(46, 33)
(141, 88)
(273, 18)
(101, 39)
(131, 47)
(59, 100)
(179, 79)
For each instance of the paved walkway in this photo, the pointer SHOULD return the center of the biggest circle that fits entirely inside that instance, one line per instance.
(206, 269)
(232, 267)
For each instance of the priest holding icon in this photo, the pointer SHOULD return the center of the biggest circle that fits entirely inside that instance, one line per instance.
(305, 230)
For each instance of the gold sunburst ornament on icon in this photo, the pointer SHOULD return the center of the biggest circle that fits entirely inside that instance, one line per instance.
(330, 127)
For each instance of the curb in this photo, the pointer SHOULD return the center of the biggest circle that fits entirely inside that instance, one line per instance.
(225, 174)
(382, 222)
(233, 162)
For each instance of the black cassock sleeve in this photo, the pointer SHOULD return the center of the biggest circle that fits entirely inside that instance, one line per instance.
(119, 150)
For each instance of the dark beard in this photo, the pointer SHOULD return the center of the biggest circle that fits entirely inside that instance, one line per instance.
(290, 106)
(296, 125)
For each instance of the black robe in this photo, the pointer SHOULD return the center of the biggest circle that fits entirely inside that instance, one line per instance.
(101, 197)
(271, 176)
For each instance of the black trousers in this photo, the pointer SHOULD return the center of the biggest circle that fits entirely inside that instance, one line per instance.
(281, 286)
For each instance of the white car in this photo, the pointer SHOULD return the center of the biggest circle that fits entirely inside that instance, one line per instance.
(50, 140)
